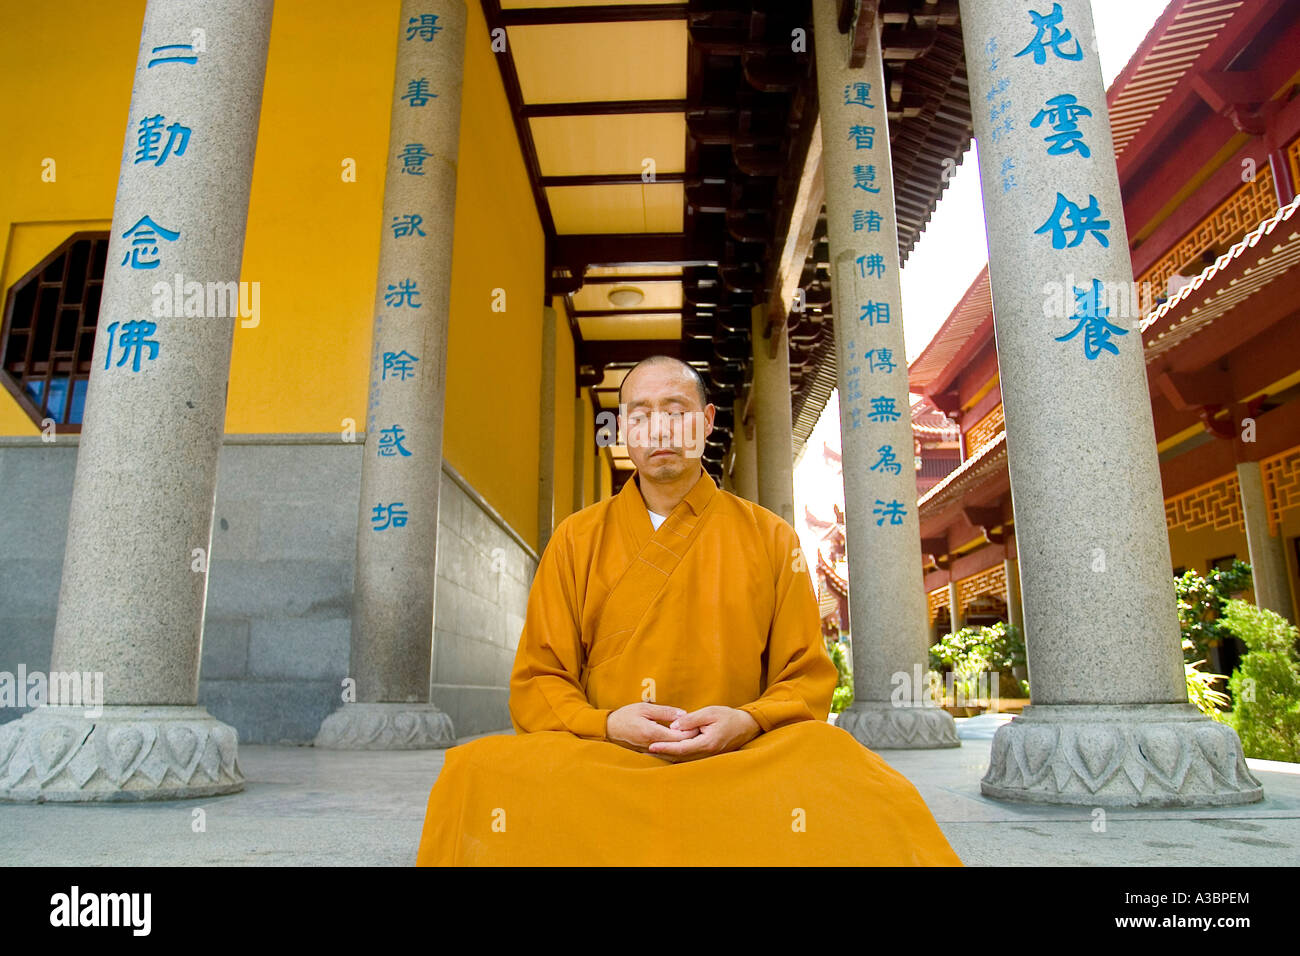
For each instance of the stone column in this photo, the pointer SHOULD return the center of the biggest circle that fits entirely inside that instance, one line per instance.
(887, 601)
(1267, 552)
(1110, 724)
(135, 571)
(746, 468)
(1015, 615)
(546, 434)
(397, 528)
(773, 424)
(579, 450)
(956, 617)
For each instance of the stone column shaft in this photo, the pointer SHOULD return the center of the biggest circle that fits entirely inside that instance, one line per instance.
(745, 470)
(1110, 723)
(1267, 551)
(887, 601)
(546, 434)
(397, 528)
(135, 569)
(774, 430)
(579, 451)
(1015, 613)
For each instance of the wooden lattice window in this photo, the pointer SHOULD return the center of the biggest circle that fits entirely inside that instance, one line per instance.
(48, 337)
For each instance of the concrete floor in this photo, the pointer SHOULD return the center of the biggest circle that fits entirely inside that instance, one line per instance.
(308, 807)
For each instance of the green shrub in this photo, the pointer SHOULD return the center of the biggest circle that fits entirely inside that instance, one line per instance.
(999, 648)
(1266, 684)
(1200, 606)
(1201, 691)
(843, 696)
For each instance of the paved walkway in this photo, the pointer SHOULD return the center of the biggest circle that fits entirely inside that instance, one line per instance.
(311, 807)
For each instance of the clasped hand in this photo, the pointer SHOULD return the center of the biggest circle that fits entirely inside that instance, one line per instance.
(675, 735)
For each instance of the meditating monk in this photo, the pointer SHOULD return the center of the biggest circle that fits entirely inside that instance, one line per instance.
(671, 687)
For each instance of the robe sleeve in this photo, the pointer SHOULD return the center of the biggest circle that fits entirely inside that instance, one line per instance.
(545, 692)
(801, 677)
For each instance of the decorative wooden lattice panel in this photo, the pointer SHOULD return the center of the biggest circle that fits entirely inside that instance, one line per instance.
(1216, 505)
(1293, 153)
(1240, 213)
(990, 581)
(984, 431)
(936, 599)
(1281, 485)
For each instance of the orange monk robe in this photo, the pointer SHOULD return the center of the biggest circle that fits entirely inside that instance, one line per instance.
(714, 607)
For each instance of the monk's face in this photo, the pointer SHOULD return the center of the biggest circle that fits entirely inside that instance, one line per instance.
(663, 421)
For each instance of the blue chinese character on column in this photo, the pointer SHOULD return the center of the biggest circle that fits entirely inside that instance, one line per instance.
(867, 219)
(423, 26)
(883, 410)
(1062, 113)
(144, 243)
(864, 177)
(853, 387)
(407, 225)
(417, 91)
(893, 510)
(413, 156)
(888, 461)
(151, 130)
(873, 264)
(133, 340)
(858, 94)
(864, 137)
(875, 313)
(1008, 177)
(1050, 36)
(168, 57)
(401, 364)
(1081, 221)
(855, 416)
(404, 290)
(393, 516)
(390, 442)
(1092, 320)
(880, 359)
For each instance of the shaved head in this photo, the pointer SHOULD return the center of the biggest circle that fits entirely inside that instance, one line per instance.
(667, 360)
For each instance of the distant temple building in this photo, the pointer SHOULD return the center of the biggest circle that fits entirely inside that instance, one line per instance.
(1208, 172)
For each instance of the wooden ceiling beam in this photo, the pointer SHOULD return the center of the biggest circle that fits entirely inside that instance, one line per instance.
(640, 249)
(611, 179)
(809, 199)
(623, 13)
(602, 313)
(604, 108)
(494, 16)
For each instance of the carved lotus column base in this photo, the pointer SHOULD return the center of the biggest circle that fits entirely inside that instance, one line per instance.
(58, 754)
(881, 725)
(1119, 755)
(376, 726)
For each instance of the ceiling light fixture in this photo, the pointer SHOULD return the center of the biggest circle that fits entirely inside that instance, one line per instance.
(626, 297)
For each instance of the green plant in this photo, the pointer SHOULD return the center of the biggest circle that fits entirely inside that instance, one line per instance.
(843, 695)
(1200, 688)
(1266, 684)
(1200, 606)
(999, 648)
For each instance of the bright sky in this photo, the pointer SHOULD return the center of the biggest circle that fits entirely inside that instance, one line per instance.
(948, 257)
